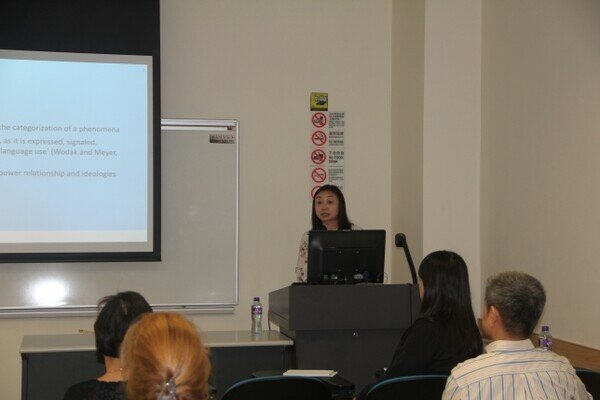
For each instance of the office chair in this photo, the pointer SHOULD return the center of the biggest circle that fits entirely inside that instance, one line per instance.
(279, 388)
(591, 380)
(418, 387)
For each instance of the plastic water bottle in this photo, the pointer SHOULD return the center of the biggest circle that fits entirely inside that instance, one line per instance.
(546, 338)
(256, 316)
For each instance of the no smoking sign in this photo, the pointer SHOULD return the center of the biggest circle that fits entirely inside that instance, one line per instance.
(326, 148)
(319, 138)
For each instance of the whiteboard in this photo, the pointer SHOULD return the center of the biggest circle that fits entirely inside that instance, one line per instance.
(199, 267)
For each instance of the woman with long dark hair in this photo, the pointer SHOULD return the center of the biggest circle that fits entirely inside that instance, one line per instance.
(445, 332)
(328, 212)
(329, 209)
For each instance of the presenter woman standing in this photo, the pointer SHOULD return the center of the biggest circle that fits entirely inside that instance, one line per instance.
(328, 213)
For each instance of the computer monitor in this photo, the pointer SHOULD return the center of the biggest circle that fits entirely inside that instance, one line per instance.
(336, 257)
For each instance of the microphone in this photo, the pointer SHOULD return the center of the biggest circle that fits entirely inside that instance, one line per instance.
(400, 240)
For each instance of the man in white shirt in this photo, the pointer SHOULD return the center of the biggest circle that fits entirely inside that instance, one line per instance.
(512, 368)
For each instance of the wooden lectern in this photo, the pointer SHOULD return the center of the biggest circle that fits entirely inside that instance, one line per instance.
(352, 329)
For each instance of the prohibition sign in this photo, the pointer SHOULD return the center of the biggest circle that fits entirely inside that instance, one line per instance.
(319, 175)
(319, 119)
(318, 156)
(314, 190)
(319, 138)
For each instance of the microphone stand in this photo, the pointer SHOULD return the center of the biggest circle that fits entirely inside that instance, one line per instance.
(401, 242)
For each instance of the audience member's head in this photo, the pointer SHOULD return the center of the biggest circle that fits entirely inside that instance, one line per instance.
(117, 312)
(164, 358)
(445, 285)
(514, 302)
(446, 298)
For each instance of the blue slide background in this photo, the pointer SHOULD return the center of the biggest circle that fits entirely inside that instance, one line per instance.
(75, 94)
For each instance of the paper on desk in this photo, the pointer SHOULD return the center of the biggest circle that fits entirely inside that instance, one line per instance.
(322, 373)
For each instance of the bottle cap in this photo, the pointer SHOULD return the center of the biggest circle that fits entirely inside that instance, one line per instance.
(545, 328)
(257, 299)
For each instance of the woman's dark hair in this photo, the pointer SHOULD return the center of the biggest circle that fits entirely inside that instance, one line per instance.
(447, 299)
(117, 312)
(343, 221)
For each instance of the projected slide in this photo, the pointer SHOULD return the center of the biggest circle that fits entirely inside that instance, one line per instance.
(75, 152)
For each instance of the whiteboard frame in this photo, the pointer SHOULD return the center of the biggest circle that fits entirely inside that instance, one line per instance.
(168, 125)
(187, 124)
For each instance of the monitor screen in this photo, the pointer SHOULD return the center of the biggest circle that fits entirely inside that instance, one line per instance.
(336, 257)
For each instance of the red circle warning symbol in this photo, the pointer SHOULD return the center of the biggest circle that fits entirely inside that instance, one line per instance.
(318, 175)
(319, 120)
(319, 138)
(314, 190)
(318, 156)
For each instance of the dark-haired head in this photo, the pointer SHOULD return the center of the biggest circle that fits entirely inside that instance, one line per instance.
(343, 220)
(117, 312)
(447, 298)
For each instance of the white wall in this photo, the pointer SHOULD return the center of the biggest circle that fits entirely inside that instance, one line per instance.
(258, 61)
(408, 46)
(540, 145)
(436, 126)
(452, 132)
(358, 74)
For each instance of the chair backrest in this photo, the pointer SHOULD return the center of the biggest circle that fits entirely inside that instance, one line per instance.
(591, 380)
(279, 388)
(417, 387)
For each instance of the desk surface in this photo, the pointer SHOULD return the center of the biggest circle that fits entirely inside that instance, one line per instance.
(86, 341)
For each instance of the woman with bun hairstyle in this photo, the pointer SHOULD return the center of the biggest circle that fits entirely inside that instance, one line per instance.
(164, 359)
